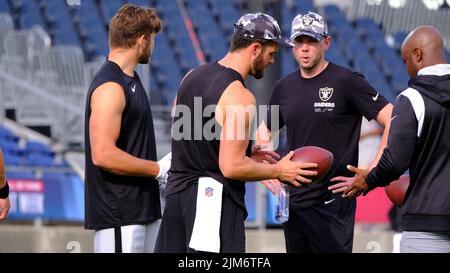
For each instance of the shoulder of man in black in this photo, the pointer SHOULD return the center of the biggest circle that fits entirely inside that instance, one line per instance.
(286, 80)
(343, 71)
(195, 72)
(109, 72)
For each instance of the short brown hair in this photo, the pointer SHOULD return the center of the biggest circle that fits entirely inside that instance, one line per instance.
(240, 41)
(130, 22)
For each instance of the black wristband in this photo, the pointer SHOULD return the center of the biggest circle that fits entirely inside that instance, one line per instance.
(4, 192)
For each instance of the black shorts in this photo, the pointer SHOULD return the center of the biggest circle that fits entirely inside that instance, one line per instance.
(325, 228)
(178, 221)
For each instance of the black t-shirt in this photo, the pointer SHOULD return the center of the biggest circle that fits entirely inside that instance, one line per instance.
(195, 154)
(113, 200)
(324, 111)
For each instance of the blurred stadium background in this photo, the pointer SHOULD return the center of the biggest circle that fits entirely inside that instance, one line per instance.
(50, 50)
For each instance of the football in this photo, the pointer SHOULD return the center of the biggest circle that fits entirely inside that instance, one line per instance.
(397, 189)
(314, 154)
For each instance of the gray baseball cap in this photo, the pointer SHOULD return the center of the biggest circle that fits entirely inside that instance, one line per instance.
(260, 26)
(310, 24)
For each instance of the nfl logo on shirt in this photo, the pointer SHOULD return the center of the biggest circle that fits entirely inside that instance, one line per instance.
(209, 192)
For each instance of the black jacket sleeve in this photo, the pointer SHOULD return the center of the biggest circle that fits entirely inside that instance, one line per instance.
(400, 147)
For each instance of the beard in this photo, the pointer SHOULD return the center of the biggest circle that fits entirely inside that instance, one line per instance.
(258, 66)
(145, 57)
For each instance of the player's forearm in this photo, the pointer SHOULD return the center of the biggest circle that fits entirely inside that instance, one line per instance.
(249, 170)
(119, 162)
(383, 144)
(2, 179)
(387, 170)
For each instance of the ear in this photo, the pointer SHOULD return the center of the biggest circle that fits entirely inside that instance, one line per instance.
(417, 55)
(256, 48)
(141, 40)
(327, 42)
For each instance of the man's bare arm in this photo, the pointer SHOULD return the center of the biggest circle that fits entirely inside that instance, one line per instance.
(107, 105)
(232, 158)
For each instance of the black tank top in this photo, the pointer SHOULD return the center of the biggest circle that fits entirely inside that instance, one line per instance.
(112, 200)
(195, 155)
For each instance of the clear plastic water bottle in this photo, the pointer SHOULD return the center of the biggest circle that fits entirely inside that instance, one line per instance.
(282, 204)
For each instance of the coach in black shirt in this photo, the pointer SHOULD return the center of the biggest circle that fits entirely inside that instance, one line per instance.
(322, 104)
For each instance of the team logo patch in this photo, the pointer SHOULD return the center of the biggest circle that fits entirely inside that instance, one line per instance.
(209, 192)
(325, 93)
(307, 20)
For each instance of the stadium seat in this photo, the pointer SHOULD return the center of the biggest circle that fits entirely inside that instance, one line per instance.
(10, 146)
(21, 175)
(4, 7)
(27, 14)
(333, 13)
(37, 147)
(37, 159)
(303, 6)
(108, 8)
(7, 134)
(399, 37)
(142, 3)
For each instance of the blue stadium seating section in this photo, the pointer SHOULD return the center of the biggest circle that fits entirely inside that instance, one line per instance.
(63, 195)
(86, 25)
(29, 153)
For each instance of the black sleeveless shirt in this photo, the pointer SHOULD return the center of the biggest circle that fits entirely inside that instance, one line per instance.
(195, 148)
(112, 200)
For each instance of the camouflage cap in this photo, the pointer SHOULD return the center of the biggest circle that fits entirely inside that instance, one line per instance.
(310, 24)
(260, 26)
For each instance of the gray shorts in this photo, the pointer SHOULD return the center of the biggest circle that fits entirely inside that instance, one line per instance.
(425, 242)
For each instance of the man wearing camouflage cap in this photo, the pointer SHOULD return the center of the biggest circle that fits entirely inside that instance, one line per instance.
(205, 208)
(322, 104)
